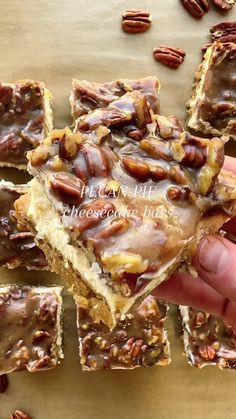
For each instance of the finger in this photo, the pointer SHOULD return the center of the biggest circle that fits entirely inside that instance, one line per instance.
(216, 265)
(230, 164)
(183, 289)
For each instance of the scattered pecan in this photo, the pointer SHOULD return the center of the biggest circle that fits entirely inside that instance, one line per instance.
(224, 32)
(136, 21)
(19, 414)
(196, 8)
(207, 352)
(68, 188)
(42, 363)
(148, 308)
(170, 56)
(224, 4)
(3, 383)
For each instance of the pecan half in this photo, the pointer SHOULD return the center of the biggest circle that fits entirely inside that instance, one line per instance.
(92, 214)
(96, 160)
(196, 8)
(136, 168)
(19, 414)
(224, 32)
(136, 21)
(224, 4)
(3, 383)
(170, 56)
(68, 188)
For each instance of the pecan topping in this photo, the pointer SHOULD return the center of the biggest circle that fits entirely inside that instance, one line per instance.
(96, 160)
(224, 32)
(136, 168)
(224, 4)
(175, 193)
(68, 147)
(136, 21)
(199, 319)
(196, 8)
(40, 335)
(69, 188)
(170, 56)
(19, 414)
(207, 352)
(3, 383)
(156, 148)
(92, 214)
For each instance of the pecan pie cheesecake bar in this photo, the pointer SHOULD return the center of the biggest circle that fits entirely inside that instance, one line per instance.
(30, 328)
(17, 246)
(207, 340)
(87, 96)
(138, 340)
(212, 108)
(25, 120)
(120, 204)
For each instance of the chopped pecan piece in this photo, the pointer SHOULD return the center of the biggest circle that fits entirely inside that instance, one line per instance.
(224, 4)
(207, 352)
(170, 56)
(3, 383)
(136, 21)
(196, 8)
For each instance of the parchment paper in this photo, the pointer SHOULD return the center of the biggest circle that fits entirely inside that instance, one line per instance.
(53, 41)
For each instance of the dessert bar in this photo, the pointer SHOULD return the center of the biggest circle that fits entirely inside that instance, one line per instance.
(30, 328)
(17, 246)
(212, 107)
(139, 339)
(121, 204)
(25, 120)
(207, 340)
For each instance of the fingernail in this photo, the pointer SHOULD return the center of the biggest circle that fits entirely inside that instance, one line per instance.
(213, 255)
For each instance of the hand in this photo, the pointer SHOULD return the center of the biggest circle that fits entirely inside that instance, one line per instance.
(214, 291)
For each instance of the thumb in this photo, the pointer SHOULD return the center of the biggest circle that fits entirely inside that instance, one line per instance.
(216, 265)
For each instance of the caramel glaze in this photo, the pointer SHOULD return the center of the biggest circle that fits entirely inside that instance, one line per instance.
(17, 246)
(87, 96)
(21, 120)
(125, 145)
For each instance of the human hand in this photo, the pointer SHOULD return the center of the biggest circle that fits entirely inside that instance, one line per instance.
(214, 291)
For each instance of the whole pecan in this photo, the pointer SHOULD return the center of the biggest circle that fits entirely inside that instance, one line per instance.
(19, 414)
(3, 383)
(136, 168)
(196, 8)
(224, 4)
(170, 56)
(136, 21)
(224, 32)
(68, 188)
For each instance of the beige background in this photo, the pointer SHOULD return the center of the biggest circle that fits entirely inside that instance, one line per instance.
(53, 41)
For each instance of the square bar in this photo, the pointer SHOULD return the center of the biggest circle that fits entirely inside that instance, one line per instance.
(138, 340)
(87, 96)
(17, 246)
(25, 120)
(212, 108)
(30, 328)
(207, 340)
